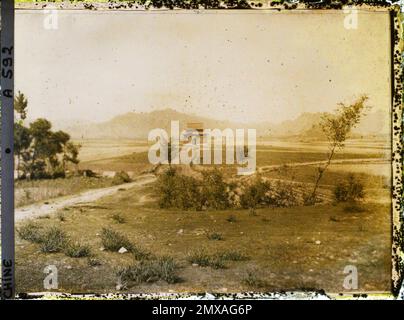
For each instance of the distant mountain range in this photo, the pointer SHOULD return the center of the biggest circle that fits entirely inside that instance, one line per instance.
(138, 125)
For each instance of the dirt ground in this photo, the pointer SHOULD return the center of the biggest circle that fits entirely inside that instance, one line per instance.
(305, 247)
(291, 248)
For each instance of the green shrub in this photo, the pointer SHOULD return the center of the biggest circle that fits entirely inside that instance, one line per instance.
(53, 239)
(202, 259)
(350, 190)
(120, 178)
(113, 240)
(214, 193)
(199, 257)
(162, 268)
(77, 250)
(255, 194)
(178, 191)
(216, 262)
(261, 193)
(30, 232)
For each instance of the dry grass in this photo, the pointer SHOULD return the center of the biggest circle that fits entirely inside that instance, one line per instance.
(293, 248)
(28, 192)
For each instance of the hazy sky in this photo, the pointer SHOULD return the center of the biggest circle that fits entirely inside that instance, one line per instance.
(240, 66)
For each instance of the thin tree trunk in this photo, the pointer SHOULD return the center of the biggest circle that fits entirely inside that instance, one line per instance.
(320, 175)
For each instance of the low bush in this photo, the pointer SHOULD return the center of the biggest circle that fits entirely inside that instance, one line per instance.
(30, 232)
(350, 190)
(77, 250)
(121, 177)
(233, 255)
(113, 240)
(262, 193)
(178, 191)
(202, 259)
(149, 271)
(214, 191)
(216, 260)
(53, 240)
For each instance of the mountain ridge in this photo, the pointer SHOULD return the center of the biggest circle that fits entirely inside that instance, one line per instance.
(134, 125)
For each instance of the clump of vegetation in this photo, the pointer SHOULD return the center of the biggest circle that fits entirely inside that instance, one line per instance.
(53, 240)
(121, 177)
(231, 218)
(214, 190)
(336, 128)
(77, 250)
(30, 232)
(118, 218)
(262, 193)
(40, 152)
(350, 190)
(113, 240)
(93, 262)
(141, 254)
(149, 271)
(233, 255)
(199, 257)
(252, 279)
(178, 191)
(215, 261)
(203, 259)
(61, 216)
(214, 236)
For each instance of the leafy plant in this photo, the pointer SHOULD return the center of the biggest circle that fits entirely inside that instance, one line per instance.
(113, 240)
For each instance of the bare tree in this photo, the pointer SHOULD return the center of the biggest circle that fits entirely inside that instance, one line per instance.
(337, 128)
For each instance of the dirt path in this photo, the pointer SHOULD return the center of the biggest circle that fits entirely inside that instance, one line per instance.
(53, 205)
(310, 163)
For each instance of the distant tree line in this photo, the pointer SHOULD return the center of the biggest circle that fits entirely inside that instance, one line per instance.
(40, 152)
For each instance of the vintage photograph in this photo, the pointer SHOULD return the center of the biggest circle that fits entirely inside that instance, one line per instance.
(203, 151)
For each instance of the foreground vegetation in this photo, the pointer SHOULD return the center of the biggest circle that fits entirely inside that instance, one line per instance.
(33, 191)
(214, 250)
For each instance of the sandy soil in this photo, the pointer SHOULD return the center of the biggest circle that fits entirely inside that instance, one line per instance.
(52, 206)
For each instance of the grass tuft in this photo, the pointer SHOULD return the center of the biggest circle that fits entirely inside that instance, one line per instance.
(30, 232)
(113, 240)
(149, 271)
(77, 250)
(53, 239)
(202, 259)
(233, 255)
(251, 279)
